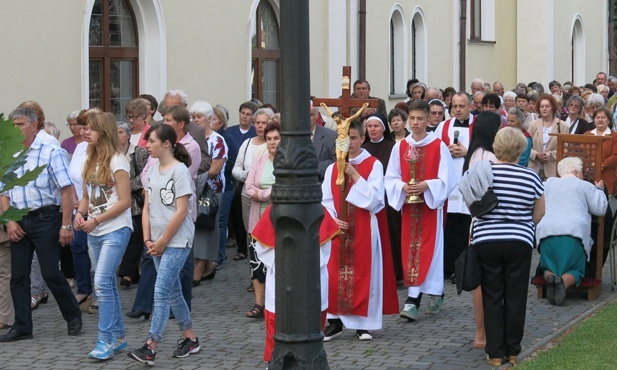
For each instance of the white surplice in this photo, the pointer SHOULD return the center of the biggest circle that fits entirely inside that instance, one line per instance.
(456, 204)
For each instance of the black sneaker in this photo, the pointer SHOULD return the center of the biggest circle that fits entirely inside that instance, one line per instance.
(332, 331)
(186, 346)
(145, 355)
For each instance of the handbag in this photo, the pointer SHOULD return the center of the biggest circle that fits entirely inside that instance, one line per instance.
(207, 208)
(137, 195)
(468, 271)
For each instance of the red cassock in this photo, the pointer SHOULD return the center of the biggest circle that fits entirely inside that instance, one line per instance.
(418, 243)
(350, 263)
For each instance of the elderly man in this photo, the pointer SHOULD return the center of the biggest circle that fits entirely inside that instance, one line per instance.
(600, 79)
(324, 141)
(498, 88)
(362, 90)
(431, 93)
(179, 97)
(456, 134)
(40, 230)
(476, 102)
(477, 85)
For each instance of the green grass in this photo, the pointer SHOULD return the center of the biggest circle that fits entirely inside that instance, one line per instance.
(592, 344)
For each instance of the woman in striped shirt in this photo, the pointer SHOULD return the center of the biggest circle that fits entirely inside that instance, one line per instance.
(503, 239)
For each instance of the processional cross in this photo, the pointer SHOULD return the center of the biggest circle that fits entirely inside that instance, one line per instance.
(344, 103)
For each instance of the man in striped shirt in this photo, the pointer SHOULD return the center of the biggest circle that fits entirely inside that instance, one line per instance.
(41, 229)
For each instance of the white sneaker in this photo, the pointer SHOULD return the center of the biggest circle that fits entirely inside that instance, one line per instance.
(364, 335)
(102, 351)
(410, 312)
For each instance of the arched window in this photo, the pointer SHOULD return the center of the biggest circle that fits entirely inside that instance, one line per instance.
(114, 53)
(397, 54)
(419, 49)
(265, 71)
(578, 53)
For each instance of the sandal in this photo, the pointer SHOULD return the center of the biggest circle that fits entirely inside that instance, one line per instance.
(239, 256)
(85, 302)
(256, 312)
(34, 302)
(126, 282)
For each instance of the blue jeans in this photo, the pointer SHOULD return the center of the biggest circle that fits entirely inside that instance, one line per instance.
(145, 290)
(224, 209)
(168, 292)
(42, 232)
(107, 251)
(81, 262)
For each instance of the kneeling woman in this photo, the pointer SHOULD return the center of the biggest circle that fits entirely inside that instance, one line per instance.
(564, 232)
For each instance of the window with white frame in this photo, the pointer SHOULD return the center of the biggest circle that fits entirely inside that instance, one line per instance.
(482, 20)
(397, 54)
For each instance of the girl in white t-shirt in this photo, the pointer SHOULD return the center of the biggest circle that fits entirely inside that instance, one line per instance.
(106, 201)
(168, 236)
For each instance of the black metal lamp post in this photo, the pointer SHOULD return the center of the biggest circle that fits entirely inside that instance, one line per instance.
(296, 211)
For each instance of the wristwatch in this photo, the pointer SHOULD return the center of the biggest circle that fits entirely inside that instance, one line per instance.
(68, 227)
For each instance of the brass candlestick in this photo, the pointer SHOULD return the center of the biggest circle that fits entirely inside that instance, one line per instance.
(413, 199)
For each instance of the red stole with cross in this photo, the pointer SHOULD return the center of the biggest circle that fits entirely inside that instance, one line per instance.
(350, 264)
(418, 234)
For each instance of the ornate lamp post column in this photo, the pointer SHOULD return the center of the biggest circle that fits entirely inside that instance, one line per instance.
(297, 212)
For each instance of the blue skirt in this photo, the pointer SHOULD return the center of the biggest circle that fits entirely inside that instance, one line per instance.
(563, 254)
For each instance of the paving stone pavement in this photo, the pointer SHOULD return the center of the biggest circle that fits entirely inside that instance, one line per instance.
(231, 341)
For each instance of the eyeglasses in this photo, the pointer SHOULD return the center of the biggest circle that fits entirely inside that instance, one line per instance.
(437, 113)
(132, 118)
(71, 124)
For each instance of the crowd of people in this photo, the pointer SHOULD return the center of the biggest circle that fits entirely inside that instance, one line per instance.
(123, 197)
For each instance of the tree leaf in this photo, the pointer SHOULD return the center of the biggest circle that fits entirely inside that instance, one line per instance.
(12, 156)
(13, 214)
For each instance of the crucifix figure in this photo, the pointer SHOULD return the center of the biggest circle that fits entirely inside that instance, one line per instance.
(344, 104)
(342, 140)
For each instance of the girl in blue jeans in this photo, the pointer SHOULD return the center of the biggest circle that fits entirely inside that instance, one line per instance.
(106, 201)
(168, 236)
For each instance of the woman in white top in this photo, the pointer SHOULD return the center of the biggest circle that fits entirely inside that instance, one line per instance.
(106, 201)
(250, 150)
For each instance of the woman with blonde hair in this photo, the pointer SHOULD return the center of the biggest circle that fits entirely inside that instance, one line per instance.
(104, 214)
(503, 239)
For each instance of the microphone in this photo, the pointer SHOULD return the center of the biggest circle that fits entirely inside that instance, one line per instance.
(456, 133)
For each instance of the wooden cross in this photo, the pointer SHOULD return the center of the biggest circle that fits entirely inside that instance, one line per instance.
(346, 102)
